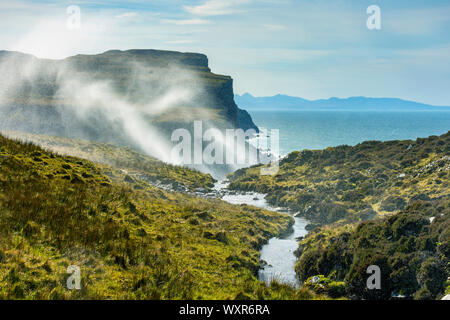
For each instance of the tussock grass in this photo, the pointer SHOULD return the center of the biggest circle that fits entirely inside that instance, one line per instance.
(130, 243)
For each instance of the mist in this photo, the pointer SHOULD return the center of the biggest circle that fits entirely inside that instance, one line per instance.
(139, 106)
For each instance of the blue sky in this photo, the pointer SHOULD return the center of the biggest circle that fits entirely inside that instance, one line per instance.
(308, 48)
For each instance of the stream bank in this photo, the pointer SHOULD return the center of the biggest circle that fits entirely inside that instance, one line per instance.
(278, 254)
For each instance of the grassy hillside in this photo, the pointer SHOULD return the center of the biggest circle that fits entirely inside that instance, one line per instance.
(411, 248)
(357, 183)
(401, 187)
(130, 240)
(127, 159)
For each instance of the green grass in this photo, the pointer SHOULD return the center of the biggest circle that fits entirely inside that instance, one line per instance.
(351, 184)
(130, 243)
(124, 158)
(373, 202)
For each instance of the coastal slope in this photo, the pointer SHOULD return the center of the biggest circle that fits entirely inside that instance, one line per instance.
(350, 184)
(129, 239)
(382, 204)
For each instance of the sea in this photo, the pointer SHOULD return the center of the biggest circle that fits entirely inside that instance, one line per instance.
(313, 130)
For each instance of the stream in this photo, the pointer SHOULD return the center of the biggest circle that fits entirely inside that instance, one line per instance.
(278, 253)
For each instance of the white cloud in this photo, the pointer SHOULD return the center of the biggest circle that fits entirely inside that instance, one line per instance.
(309, 48)
(127, 15)
(215, 7)
(50, 38)
(187, 22)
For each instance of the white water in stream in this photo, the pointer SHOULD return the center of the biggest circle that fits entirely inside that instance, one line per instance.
(278, 253)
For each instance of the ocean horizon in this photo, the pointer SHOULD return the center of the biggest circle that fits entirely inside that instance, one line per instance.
(320, 129)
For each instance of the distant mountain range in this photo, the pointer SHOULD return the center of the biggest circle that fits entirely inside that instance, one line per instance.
(284, 102)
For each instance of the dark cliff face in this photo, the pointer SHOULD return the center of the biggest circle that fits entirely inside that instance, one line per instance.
(170, 89)
(245, 121)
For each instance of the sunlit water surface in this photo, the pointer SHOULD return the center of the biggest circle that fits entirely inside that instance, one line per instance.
(278, 253)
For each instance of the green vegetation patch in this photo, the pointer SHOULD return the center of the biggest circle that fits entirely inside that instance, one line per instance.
(351, 184)
(129, 243)
(131, 162)
(412, 249)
